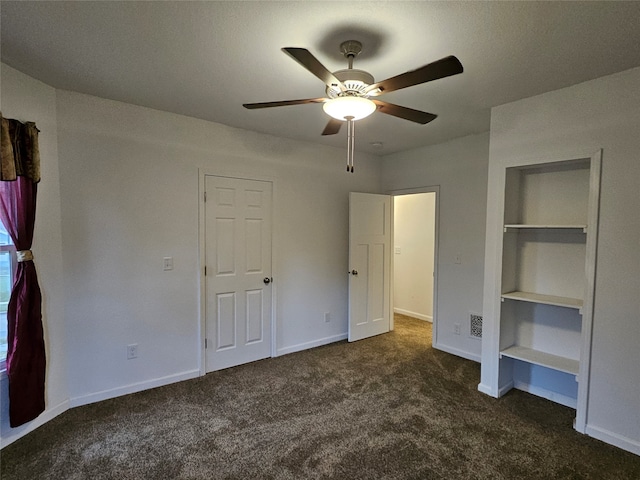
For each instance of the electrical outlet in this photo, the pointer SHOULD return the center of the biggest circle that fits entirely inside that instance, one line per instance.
(132, 351)
(327, 317)
(456, 328)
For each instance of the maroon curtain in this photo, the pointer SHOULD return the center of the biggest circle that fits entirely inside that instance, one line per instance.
(25, 352)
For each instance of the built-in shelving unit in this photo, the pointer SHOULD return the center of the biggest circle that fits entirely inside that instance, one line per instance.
(544, 294)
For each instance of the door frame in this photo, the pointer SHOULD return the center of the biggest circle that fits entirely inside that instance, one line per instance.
(436, 235)
(202, 293)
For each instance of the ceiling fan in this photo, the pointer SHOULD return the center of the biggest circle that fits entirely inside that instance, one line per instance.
(349, 91)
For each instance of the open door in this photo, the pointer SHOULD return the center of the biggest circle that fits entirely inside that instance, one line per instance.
(369, 265)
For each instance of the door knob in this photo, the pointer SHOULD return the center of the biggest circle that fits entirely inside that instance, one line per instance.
(354, 272)
(267, 280)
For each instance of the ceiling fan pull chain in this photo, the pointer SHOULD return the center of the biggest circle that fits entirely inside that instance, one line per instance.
(352, 140)
(350, 143)
(348, 149)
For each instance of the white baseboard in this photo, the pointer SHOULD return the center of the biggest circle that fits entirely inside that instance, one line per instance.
(132, 388)
(7, 438)
(409, 313)
(502, 389)
(548, 394)
(486, 389)
(614, 439)
(307, 345)
(457, 352)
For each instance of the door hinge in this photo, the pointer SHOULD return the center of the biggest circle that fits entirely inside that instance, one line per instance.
(205, 270)
(205, 343)
(205, 197)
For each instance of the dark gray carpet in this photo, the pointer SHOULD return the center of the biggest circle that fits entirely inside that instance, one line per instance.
(389, 407)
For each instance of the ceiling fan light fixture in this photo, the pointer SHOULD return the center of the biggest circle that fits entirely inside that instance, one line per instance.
(342, 108)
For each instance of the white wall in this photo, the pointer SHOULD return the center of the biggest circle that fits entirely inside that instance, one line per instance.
(571, 123)
(129, 183)
(413, 232)
(459, 167)
(26, 99)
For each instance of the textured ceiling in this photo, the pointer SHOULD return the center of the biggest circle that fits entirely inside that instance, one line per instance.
(204, 59)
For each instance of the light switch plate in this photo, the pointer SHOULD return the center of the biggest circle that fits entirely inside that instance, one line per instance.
(168, 263)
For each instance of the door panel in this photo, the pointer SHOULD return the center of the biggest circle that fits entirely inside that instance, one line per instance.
(226, 337)
(253, 228)
(377, 280)
(238, 256)
(225, 257)
(358, 289)
(254, 316)
(369, 256)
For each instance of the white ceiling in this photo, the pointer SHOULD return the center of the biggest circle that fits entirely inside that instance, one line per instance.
(204, 59)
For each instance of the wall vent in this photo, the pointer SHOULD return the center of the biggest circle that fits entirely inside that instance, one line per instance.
(475, 325)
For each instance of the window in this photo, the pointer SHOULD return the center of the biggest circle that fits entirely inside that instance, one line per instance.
(7, 274)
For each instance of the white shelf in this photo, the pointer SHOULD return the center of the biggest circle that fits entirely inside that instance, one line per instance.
(555, 362)
(522, 226)
(544, 299)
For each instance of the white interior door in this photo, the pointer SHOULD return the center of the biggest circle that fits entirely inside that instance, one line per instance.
(369, 265)
(238, 271)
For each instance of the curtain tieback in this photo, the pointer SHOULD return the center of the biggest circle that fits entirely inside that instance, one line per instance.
(24, 255)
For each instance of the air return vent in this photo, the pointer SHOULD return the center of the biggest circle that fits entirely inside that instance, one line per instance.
(475, 325)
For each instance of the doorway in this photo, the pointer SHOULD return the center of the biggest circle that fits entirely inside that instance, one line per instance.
(415, 254)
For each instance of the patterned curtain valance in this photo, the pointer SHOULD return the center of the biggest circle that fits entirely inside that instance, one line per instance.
(19, 155)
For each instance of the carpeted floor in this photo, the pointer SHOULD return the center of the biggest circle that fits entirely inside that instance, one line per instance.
(389, 407)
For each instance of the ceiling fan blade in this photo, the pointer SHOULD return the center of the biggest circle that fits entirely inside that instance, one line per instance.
(332, 127)
(406, 113)
(445, 67)
(284, 103)
(311, 63)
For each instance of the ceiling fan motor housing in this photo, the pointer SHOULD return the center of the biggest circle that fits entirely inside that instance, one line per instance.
(354, 80)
